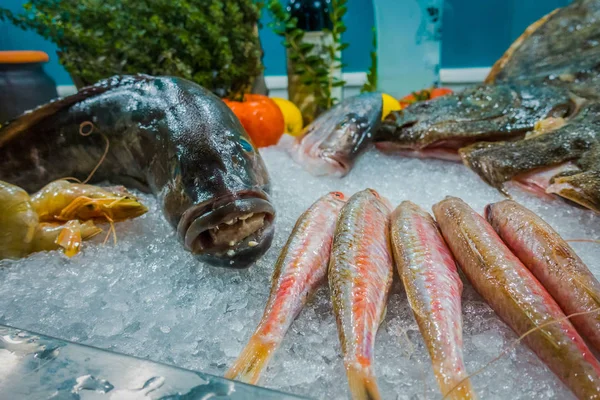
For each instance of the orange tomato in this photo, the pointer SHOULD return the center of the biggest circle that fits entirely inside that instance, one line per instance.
(439, 92)
(423, 95)
(414, 97)
(261, 117)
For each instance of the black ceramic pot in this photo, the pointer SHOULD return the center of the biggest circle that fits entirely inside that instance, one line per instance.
(23, 83)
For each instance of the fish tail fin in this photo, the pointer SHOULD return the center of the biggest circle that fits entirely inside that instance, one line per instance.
(70, 238)
(363, 385)
(251, 362)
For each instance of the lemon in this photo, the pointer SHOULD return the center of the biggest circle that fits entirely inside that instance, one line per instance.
(291, 115)
(389, 104)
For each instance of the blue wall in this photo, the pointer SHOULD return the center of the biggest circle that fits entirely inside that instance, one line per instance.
(476, 33)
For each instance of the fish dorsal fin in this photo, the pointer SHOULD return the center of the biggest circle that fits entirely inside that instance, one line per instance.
(32, 117)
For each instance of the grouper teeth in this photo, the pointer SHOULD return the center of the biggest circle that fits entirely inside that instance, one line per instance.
(243, 217)
(231, 221)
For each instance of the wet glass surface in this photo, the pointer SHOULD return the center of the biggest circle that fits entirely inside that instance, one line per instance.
(40, 367)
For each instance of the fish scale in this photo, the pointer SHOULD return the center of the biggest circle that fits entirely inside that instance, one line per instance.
(360, 277)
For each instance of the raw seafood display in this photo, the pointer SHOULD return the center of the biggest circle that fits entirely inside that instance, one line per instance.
(358, 245)
(332, 142)
(166, 135)
(360, 277)
(433, 287)
(551, 71)
(552, 261)
(61, 214)
(300, 269)
(517, 296)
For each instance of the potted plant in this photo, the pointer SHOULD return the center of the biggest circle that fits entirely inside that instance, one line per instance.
(213, 43)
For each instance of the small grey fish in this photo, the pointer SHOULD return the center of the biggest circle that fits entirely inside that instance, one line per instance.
(168, 136)
(331, 143)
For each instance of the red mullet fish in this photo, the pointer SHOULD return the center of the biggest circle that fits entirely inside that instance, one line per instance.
(428, 271)
(552, 261)
(300, 269)
(518, 297)
(360, 276)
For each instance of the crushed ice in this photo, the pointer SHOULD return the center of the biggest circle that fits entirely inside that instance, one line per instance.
(148, 297)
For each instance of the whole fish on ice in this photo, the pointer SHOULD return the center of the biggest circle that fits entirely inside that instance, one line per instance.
(517, 296)
(360, 276)
(166, 135)
(428, 272)
(553, 262)
(300, 269)
(332, 142)
(551, 73)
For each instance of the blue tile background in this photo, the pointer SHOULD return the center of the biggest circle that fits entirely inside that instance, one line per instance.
(475, 33)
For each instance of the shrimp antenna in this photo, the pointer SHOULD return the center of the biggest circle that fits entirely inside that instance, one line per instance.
(86, 128)
(111, 230)
(515, 343)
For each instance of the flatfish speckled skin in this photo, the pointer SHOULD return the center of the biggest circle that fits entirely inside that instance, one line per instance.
(360, 276)
(167, 135)
(433, 287)
(301, 268)
(553, 262)
(551, 72)
(561, 48)
(483, 113)
(517, 296)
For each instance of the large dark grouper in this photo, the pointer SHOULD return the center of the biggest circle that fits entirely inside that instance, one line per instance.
(542, 98)
(166, 135)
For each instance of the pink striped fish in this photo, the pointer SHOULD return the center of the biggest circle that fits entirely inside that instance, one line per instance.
(428, 271)
(300, 269)
(360, 276)
(517, 296)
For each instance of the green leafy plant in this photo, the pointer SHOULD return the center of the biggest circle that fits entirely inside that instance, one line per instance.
(314, 71)
(338, 10)
(371, 84)
(214, 43)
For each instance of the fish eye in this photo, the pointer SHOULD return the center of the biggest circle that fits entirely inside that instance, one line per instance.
(246, 145)
(338, 194)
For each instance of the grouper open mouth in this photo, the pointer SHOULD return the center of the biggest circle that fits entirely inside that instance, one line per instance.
(232, 231)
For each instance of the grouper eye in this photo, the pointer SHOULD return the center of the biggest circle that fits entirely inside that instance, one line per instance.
(246, 145)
